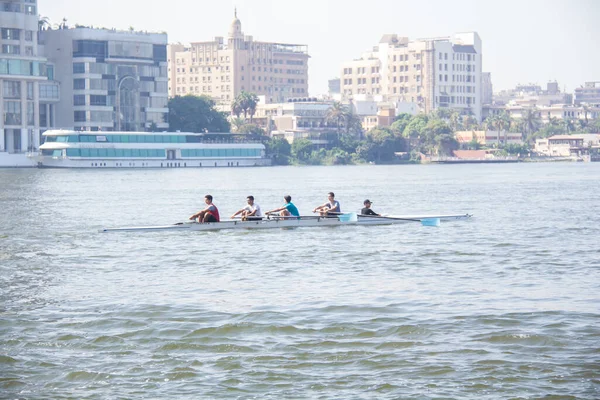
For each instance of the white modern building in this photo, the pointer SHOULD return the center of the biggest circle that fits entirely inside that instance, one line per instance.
(27, 98)
(110, 80)
(431, 73)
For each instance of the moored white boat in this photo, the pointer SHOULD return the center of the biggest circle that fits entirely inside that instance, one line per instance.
(277, 222)
(74, 149)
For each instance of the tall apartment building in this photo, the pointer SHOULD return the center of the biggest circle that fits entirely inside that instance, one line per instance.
(222, 69)
(27, 96)
(110, 80)
(432, 73)
(487, 89)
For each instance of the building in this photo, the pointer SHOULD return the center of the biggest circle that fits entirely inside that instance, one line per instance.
(533, 95)
(334, 87)
(432, 73)
(588, 93)
(567, 145)
(487, 89)
(28, 95)
(222, 68)
(110, 80)
(489, 138)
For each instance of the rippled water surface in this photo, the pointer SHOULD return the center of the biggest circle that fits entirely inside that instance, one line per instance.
(505, 305)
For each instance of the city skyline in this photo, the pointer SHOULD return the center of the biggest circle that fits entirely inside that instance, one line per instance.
(533, 42)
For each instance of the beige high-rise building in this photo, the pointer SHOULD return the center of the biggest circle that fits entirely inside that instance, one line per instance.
(432, 73)
(222, 68)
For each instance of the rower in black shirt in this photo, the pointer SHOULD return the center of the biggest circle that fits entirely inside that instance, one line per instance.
(367, 209)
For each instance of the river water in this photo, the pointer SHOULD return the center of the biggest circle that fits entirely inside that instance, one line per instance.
(505, 305)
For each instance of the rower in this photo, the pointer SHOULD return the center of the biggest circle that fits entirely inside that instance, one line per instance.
(329, 209)
(251, 212)
(209, 214)
(289, 210)
(367, 209)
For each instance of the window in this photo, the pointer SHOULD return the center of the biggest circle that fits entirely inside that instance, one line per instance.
(12, 90)
(79, 100)
(78, 84)
(79, 116)
(12, 113)
(97, 100)
(90, 48)
(78, 68)
(29, 36)
(48, 91)
(11, 49)
(10, 34)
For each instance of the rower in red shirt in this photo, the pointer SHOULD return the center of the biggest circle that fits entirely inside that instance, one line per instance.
(209, 214)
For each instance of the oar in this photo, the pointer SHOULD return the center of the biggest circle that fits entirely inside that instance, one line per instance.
(423, 221)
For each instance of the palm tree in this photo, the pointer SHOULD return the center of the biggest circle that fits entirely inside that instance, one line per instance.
(455, 121)
(336, 113)
(252, 103)
(236, 108)
(247, 103)
(503, 124)
(569, 125)
(531, 120)
(586, 111)
(43, 22)
(237, 123)
(553, 121)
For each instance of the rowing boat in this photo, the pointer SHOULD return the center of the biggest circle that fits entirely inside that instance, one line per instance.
(308, 221)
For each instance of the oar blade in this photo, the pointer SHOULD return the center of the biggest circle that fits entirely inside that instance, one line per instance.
(430, 222)
(350, 217)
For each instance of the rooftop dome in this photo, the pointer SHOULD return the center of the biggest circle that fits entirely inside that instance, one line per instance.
(235, 29)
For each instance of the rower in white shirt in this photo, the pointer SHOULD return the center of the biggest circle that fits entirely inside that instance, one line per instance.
(251, 212)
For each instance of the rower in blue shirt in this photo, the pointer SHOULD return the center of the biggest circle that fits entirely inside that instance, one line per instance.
(289, 210)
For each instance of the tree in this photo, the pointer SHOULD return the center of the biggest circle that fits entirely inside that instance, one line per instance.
(336, 114)
(400, 123)
(503, 124)
(531, 121)
(280, 150)
(237, 123)
(196, 114)
(43, 23)
(569, 125)
(353, 124)
(301, 149)
(236, 108)
(415, 128)
(446, 144)
(245, 102)
(586, 110)
(252, 129)
(456, 121)
(153, 127)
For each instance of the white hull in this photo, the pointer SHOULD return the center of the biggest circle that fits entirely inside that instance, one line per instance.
(60, 162)
(292, 223)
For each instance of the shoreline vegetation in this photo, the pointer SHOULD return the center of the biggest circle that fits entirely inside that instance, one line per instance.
(410, 139)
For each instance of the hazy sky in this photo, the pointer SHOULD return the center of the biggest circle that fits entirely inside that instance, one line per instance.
(523, 40)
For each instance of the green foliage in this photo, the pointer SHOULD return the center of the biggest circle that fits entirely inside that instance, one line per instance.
(280, 150)
(301, 149)
(153, 127)
(196, 114)
(251, 129)
(246, 103)
(520, 149)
